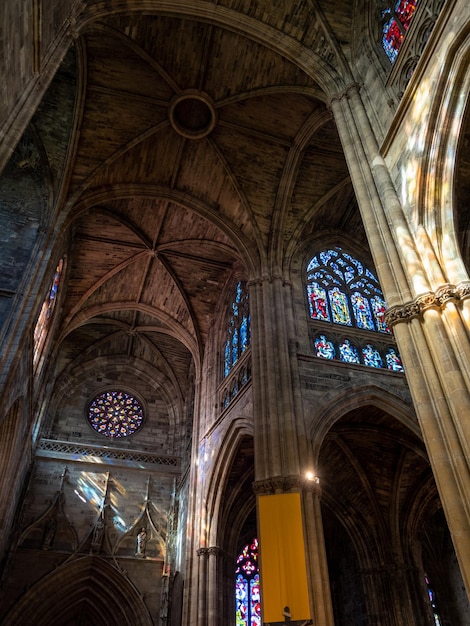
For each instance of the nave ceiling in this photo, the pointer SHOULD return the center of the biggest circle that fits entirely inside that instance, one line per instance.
(186, 158)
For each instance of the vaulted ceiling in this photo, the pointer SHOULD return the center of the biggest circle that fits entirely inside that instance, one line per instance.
(180, 154)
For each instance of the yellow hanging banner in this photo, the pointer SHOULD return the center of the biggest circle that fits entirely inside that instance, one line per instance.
(283, 566)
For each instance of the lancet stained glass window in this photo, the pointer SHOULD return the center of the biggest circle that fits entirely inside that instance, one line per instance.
(247, 587)
(342, 290)
(45, 316)
(238, 330)
(397, 20)
(115, 414)
(432, 600)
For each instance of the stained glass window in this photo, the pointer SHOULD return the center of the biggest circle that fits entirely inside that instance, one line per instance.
(348, 352)
(45, 316)
(115, 414)
(324, 348)
(397, 20)
(371, 356)
(432, 600)
(342, 290)
(238, 330)
(393, 361)
(247, 587)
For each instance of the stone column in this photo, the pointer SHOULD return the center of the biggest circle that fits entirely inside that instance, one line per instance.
(203, 556)
(427, 316)
(214, 587)
(314, 544)
(282, 451)
(322, 609)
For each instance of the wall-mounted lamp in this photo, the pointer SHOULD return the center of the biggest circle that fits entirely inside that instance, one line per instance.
(311, 476)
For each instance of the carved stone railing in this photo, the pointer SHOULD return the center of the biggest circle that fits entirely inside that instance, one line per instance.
(77, 452)
(238, 378)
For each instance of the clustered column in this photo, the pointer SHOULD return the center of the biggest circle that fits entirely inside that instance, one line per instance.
(427, 316)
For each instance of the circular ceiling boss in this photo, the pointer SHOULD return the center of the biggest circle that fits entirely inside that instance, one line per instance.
(115, 413)
(192, 114)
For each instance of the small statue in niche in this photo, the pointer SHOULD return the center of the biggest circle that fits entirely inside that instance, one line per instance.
(141, 542)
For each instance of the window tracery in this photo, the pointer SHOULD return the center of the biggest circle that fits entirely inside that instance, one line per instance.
(405, 27)
(247, 587)
(397, 20)
(115, 414)
(343, 292)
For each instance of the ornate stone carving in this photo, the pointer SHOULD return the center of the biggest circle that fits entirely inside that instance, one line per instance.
(423, 302)
(463, 289)
(285, 484)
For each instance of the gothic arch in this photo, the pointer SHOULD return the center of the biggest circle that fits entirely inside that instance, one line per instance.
(239, 431)
(336, 405)
(377, 490)
(449, 109)
(88, 587)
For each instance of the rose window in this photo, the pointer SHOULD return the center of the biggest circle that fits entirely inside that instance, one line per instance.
(115, 414)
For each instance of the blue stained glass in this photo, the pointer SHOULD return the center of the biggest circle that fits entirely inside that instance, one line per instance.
(238, 328)
(244, 334)
(241, 600)
(235, 346)
(392, 39)
(379, 309)
(349, 274)
(393, 361)
(348, 352)
(247, 587)
(227, 361)
(255, 601)
(326, 255)
(349, 285)
(371, 356)
(339, 307)
(341, 290)
(362, 312)
(324, 348)
(317, 302)
(432, 600)
(312, 264)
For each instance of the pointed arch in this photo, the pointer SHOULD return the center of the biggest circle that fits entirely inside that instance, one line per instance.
(90, 587)
(338, 404)
(240, 430)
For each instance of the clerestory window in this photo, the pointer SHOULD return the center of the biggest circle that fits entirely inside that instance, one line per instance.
(396, 21)
(238, 335)
(44, 320)
(348, 309)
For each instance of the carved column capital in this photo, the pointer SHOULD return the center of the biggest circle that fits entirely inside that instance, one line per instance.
(203, 552)
(345, 93)
(463, 289)
(215, 551)
(430, 300)
(286, 484)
